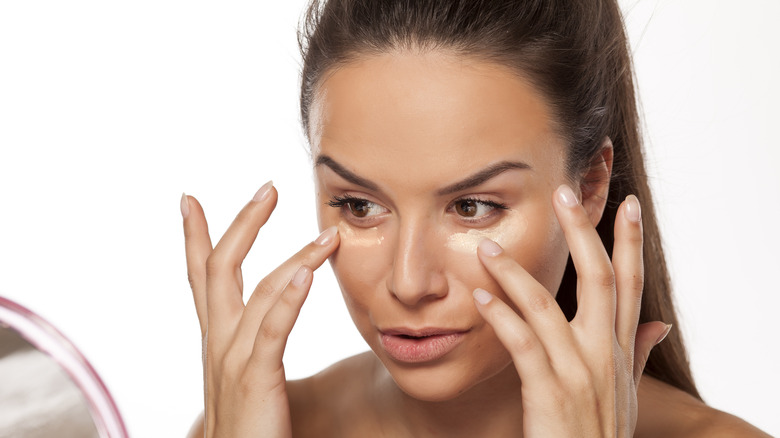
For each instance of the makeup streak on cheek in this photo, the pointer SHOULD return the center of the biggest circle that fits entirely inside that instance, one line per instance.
(364, 237)
(506, 234)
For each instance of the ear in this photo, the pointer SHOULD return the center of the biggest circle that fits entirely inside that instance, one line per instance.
(594, 184)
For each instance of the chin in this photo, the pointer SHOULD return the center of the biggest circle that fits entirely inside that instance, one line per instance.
(445, 379)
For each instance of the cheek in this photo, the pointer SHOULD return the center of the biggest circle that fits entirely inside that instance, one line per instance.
(537, 244)
(542, 251)
(360, 264)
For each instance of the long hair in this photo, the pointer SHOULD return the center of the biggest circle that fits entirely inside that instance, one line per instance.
(575, 52)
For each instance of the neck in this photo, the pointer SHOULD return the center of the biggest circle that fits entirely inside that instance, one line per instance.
(490, 408)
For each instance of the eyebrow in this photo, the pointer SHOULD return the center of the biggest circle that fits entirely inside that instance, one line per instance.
(344, 173)
(472, 181)
(483, 176)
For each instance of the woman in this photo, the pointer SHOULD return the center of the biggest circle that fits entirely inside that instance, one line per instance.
(479, 175)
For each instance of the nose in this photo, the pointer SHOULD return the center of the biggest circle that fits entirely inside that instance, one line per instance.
(417, 274)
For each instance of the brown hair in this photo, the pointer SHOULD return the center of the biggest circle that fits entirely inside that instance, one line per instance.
(575, 52)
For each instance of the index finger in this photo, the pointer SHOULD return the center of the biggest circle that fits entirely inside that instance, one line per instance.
(224, 283)
(595, 277)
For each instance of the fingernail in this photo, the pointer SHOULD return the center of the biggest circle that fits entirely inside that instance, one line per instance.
(663, 335)
(185, 206)
(567, 196)
(633, 210)
(300, 276)
(327, 236)
(482, 296)
(263, 192)
(489, 248)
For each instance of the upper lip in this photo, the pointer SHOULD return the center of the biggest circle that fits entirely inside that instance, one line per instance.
(421, 332)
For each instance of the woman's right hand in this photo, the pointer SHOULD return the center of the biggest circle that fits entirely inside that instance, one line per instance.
(244, 381)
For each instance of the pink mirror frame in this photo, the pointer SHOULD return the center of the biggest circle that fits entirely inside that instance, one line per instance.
(46, 338)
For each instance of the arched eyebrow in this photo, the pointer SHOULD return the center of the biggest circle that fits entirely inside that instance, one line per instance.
(344, 173)
(483, 176)
(472, 181)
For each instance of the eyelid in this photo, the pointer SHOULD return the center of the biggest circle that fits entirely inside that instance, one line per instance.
(481, 200)
(342, 203)
(496, 209)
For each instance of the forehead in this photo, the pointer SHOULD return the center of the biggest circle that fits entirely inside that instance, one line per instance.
(431, 114)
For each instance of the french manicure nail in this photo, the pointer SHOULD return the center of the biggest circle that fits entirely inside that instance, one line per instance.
(633, 210)
(327, 236)
(263, 192)
(482, 296)
(663, 335)
(185, 206)
(566, 196)
(489, 248)
(300, 276)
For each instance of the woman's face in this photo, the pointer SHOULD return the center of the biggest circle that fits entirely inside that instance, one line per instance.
(417, 158)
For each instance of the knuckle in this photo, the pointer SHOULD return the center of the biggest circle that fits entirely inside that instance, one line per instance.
(636, 238)
(270, 333)
(287, 299)
(638, 284)
(541, 302)
(265, 289)
(523, 345)
(215, 263)
(602, 277)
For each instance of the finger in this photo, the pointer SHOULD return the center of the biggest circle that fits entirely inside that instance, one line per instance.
(197, 247)
(629, 270)
(223, 279)
(595, 277)
(535, 303)
(267, 292)
(528, 354)
(648, 335)
(272, 334)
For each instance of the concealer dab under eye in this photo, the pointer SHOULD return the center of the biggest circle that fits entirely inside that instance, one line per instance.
(364, 237)
(504, 234)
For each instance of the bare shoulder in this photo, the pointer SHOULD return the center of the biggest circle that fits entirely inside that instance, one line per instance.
(665, 411)
(319, 402)
(724, 425)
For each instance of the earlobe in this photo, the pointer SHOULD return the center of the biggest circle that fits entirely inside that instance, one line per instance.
(594, 184)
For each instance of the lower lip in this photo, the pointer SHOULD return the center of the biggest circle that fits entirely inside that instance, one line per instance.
(419, 350)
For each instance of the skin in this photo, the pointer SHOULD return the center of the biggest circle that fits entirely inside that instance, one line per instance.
(396, 140)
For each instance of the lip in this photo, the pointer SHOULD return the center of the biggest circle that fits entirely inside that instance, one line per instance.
(420, 345)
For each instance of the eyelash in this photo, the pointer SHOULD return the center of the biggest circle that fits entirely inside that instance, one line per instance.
(494, 204)
(342, 201)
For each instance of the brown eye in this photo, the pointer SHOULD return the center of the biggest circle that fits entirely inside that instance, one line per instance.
(359, 208)
(474, 209)
(466, 208)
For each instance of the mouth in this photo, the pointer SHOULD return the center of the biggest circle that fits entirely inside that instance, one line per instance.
(420, 346)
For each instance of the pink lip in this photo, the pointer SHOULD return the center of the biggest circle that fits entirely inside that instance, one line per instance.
(423, 345)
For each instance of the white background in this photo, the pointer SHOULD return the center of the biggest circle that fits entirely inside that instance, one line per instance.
(109, 110)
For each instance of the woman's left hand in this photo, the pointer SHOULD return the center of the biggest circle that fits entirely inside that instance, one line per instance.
(578, 378)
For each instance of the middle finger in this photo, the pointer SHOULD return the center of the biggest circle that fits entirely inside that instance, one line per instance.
(267, 292)
(535, 303)
(223, 268)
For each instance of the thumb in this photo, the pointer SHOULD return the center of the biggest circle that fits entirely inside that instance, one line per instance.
(648, 335)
